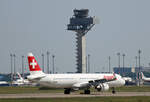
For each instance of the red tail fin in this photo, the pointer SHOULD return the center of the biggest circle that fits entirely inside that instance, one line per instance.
(33, 65)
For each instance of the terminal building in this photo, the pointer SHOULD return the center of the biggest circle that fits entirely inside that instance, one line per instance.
(125, 70)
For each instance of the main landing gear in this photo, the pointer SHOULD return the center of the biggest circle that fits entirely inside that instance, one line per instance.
(87, 91)
(67, 91)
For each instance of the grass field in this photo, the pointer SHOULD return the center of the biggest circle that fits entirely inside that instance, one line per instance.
(133, 89)
(87, 99)
(19, 90)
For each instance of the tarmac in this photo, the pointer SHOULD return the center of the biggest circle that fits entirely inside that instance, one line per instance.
(62, 95)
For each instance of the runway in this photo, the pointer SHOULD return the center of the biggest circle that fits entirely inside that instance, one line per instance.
(61, 95)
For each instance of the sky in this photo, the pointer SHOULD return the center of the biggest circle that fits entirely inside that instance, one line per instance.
(39, 26)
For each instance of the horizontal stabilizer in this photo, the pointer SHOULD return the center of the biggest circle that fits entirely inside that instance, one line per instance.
(35, 77)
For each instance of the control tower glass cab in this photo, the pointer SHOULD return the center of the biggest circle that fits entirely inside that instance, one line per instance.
(81, 23)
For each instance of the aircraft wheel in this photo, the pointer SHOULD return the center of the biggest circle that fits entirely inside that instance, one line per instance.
(67, 91)
(87, 92)
(113, 90)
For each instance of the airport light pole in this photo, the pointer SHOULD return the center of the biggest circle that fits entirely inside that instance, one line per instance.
(53, 58)
(48, 71)
(86, 65)
(23, 67)
(123, 55)
(136, 61)
(89, 63)
(118, 54)
(14, 66)
(136, 66)
(109, 63)
(139, 66)
(43, 62)
(11, 65)
(149, 64)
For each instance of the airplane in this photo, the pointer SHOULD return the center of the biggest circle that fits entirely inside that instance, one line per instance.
(145, 79)
(21, 81)
(4, 83)
(129, 81)
(73, 82)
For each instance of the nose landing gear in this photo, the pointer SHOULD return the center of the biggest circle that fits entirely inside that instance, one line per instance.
(113, 90)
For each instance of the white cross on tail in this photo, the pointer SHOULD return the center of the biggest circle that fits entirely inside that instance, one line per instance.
(33, 63)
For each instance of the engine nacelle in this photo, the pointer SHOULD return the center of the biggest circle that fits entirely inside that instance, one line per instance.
(102, 87)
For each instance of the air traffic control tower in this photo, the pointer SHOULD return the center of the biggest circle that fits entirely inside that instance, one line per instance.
(81, 23)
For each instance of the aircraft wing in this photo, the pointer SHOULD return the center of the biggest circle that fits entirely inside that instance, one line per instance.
(94, 82)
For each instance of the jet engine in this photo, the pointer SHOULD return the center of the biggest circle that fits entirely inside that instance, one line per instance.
(102, 87)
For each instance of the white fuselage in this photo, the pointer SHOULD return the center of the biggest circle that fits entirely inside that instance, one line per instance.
(69, 80)
(146, 79)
